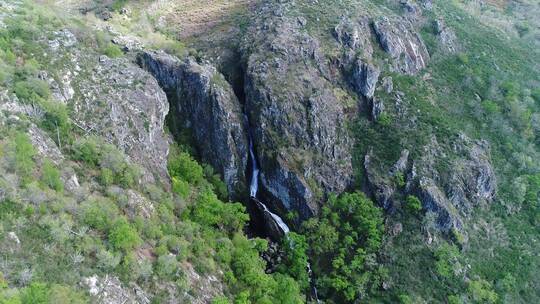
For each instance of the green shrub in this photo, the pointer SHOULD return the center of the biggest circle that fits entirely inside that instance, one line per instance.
(36, 293)
(87, 150)
(413, 204)
(535, 94)
(445, 256)
(29, 70)
(112, 51)
(209, 211)
(490, 107)
(183, 166)
(295, 247)
(454, 300)
(66, 295)
(50, 176)
(400, 180)
(118, 4)
(481, 292)
(24, 153)
(180, 187)
(219, 187)
(129, 177)
(221, 300)
(106, 177)
(56, 121)
(384, 120)
(99, 213)
(124, 237)
(405, 299)
(32, 90)
(463, 58)
(287, 290)
(166, 266)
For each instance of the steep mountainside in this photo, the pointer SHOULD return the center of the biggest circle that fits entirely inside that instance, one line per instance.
(283, 151)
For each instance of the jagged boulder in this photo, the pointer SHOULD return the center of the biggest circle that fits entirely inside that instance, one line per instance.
(205, 104)
(399, 39)
(378, 182)
(300, 137)
(365, 77)
(434, 200)
(473, 179)
(411, 10)
(377, 108)
(446, 36)
(355, 35)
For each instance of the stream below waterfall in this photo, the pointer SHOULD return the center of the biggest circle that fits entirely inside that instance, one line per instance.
(254, 188)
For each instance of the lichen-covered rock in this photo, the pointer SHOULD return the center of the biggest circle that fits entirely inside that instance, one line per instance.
(411, 9)
(469, 181)
(44, 145)
(128, 43)
(378, 182)
(205, 104)
(399, 39)
(387, 84)
(434, 200)
(365, 77)
(377, 108)
(473, 179)
(446, 36)
(355, 35)
(203, 288)
(300, 137)
(125, 105)
(109, 290)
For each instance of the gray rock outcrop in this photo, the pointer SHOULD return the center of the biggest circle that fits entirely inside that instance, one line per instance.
(399, 39)
(110, 290)
(446, 36)
(469, 181)
(365, 77)
(355, 35)
(448, 182)
(205, 104)
(128, 109)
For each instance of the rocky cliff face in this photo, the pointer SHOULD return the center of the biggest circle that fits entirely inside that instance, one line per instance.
(205, 104)
(125, 105)
(300, 135)
(298, 122)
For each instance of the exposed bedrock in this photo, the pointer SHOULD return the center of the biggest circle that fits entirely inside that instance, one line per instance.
(204, 103)
(300, 135)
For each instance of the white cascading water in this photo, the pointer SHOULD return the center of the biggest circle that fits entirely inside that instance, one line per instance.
(254, 188)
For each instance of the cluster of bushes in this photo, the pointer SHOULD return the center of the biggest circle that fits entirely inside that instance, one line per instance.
(40, 293)
(21, 70)
(343, 243)
(108, 160)
(222, 224)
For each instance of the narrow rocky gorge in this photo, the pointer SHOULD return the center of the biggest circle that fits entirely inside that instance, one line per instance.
(279, 137)
(209, 109)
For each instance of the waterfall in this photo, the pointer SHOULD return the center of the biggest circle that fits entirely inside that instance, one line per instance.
(254, 188)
